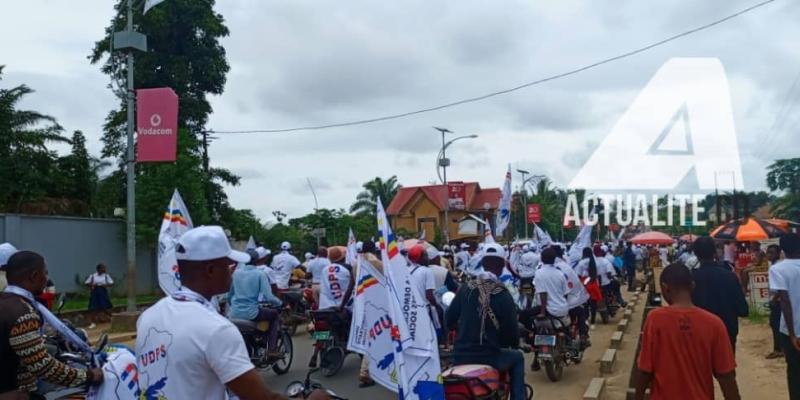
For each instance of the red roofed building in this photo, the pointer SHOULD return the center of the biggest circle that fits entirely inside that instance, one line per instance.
(418, 208)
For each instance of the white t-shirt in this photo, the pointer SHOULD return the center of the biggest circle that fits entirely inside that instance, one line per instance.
(97, 279)
(439, 275)
(552, 281)
(576, 294)
(462, 260)
(422, 280)
(527, 264)
(282, 266)
(187, 351)
(334, 282)
(785, 275)
(473, 267)
(315, 267)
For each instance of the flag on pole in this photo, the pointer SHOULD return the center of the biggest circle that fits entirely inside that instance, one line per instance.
(352, 253)
(422, 235)
(543, 239)
(504, 208)
(175, 223)
(371, 326)
(416, 352)
(487, 234)
(251, 244)
(583, 240)
(148, 4)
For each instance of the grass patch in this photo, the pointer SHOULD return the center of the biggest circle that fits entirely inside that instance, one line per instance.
(758, 318)
(80, 302)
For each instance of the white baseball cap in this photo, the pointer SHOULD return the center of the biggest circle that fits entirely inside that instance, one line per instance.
(207, 243)
(286, 246)
(433, 252)
(6, 251)
(464, 246)
(494, 250)
(359, 246)
(309, 256)
(262, 252)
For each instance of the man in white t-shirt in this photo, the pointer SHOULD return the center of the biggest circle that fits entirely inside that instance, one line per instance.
(336, 282)
(422, 280)
(282, 266)
(462, 258)
(551, 287)
(315, 267)
(577, 296)
(185, 348)
(784, 280)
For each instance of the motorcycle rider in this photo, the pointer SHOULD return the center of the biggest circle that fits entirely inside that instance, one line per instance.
(526, 268)
(336, 288)
(315, 269)
(250, 287)
(462, 258)
(22, 348)
(423, 281)
(282, 266)
(185, 348)
(577, 296)
(481, 310)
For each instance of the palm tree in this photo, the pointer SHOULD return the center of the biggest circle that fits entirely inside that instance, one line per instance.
(375, 189)
(24, 157)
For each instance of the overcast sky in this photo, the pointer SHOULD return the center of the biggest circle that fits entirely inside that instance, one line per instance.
(305, 62)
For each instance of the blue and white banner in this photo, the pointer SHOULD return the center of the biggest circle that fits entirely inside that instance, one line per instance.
(416, 351)
(176, 222)
(504, 208)
(371, 327)
(352, 254)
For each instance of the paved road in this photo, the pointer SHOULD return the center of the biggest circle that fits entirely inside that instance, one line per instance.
(345, 383)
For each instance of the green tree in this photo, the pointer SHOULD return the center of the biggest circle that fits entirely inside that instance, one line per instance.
(784, 175)
(184, 54)
(26, 165)
(365, 204)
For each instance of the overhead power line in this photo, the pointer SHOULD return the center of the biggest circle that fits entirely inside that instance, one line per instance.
(509, 90)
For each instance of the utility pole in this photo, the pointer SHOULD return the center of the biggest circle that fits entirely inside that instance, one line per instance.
(128, 41)
(444, 162)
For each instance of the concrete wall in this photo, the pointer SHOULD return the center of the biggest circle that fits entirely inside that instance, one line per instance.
(74, 246)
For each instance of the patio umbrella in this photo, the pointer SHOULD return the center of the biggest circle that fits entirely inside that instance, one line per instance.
(652, 237)
(783, 223)
(689, 237)
(748, 229)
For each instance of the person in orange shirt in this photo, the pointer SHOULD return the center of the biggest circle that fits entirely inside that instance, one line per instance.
(684, 347)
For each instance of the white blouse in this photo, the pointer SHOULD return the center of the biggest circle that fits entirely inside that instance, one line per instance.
(98, 279)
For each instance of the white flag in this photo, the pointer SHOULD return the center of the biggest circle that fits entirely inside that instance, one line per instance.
(251, 244)
(416, 352)
(542, 238)
(352, 252)
(371, 327)
(583, 240)
(504, 209)
(148, 4)
(176, 222)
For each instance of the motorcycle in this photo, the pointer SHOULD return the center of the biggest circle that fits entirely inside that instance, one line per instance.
(474, 381)
(609, 306)
(303, 389)
(330, 336)
(297, 306)
(257, 343)
(554, 344)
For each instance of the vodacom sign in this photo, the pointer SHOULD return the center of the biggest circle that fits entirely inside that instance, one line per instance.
(157, 125)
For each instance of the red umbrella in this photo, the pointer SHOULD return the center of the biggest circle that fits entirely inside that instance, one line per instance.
(748, 229)
(652, 237)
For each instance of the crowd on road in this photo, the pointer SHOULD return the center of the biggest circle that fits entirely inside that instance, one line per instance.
(488, 303)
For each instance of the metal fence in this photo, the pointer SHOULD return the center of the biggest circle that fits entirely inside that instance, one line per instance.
(74, 246)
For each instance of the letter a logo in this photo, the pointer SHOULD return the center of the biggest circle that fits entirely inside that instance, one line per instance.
(680, 123)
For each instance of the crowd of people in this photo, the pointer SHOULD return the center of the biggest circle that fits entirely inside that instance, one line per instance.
(684, 346)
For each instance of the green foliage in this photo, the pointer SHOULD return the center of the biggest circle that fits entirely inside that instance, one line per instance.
(784, 175)
(365, 204)
(184, 53)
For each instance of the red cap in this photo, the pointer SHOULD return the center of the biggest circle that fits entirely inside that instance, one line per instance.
(415, 253)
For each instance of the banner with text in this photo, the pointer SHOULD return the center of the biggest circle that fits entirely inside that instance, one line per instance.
(157, 125)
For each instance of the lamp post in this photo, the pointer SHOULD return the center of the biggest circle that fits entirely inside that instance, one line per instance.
(444, 162)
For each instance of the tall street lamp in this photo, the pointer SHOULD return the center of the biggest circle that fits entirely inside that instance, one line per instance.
(534, 179)
(444, 162)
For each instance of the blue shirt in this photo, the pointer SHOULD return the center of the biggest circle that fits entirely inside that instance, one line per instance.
(248, 287)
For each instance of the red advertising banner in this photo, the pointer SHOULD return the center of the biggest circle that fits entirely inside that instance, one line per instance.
(157, 125)
(456, 196)
(534, 214)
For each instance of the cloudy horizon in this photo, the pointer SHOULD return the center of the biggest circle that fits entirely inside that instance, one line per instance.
(308, 62)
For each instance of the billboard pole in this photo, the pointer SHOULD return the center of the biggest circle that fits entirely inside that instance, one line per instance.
(131, 214)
